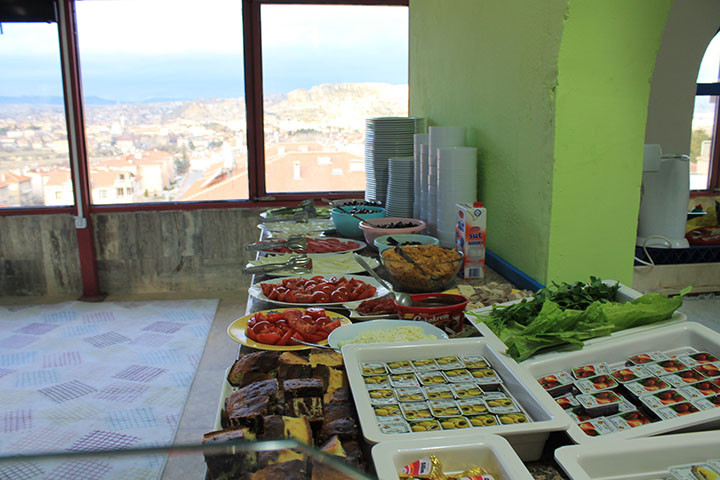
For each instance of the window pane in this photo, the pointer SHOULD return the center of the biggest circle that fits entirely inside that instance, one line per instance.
(326, 68)
(34, 160)
(710, 67)
(703, 131)
(164, 100)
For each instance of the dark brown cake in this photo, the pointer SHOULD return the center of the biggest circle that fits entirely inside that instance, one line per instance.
(277, 456)
(249, 404)
(278, 427)
(333, 411)
(265, 362)
(303, 387)
(341, 395)
(227, 466)
(292, 470)
(345, 428)
(325, 471)
(292, 365)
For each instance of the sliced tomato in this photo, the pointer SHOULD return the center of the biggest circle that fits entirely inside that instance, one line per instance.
(315, 312)
(293, 313)
(250, 334)
(268, 338)
(339, 295)
(286, 337)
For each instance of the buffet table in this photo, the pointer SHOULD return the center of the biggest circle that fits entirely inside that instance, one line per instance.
(544, 469)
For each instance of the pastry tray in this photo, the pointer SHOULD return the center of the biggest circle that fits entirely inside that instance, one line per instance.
(680, 338)
(457, 453)
(527, 438)
(637, 459)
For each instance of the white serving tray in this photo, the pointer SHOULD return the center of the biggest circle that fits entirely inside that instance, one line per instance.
(640, 459)
(456, 454)
(624, 294)
(674, 339)
(527, 439)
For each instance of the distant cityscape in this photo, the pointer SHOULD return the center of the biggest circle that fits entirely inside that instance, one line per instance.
(191, 150)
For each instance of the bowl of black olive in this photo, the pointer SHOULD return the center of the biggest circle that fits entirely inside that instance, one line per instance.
(378, 227)
(403, 240)
(346, 220)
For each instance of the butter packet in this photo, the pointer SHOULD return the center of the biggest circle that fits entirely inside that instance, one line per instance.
(432, 377)
(474, 361)
(449, 363)
(400, 366)
(486, 377)
(439, 392)
(695, 471)
(409, 394)
(425, 364)
(483, 420)
(454, 423)
(499, 406)
(387, 412)
(370, 369)
(467, 390)
(425, 426)
(444, 408)
(461, 375)
(391, 427)
(403, 380)
(377, 381)
(381, 395)
(416, 411)
(472, 406)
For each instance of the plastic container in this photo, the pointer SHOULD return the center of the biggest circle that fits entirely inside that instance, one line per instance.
(347, 225)
(639, 458)
(527, 439)
(491, 452)
(382, 243)
(680, 338)
(446, 317)
(624, 294)
(372, 230)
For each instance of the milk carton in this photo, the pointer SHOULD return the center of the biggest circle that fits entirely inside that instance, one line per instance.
(470, 237)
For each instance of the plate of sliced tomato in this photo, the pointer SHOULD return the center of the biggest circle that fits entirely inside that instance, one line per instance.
(275, 329)
(317, 290)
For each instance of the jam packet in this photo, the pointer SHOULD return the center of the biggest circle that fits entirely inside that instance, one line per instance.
(556, 384)
(598, 383)
(590, 370)
(628, 420)
(646, 357)
(631, 374)
(597, 427)
(665, 367)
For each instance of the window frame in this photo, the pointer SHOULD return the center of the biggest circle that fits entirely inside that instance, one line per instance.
(258, 196)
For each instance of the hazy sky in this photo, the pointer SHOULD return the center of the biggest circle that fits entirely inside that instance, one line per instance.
(137, 49)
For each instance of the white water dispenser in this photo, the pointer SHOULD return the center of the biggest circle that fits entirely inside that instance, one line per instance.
(664, 199)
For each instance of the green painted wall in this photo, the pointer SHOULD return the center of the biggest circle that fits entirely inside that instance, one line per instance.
(491, 65)
(606, 61)
(555, 95)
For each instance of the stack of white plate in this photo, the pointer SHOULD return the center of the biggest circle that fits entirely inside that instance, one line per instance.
(400, 196)
(457, 183)
(439, 137)
(419, 173)
(386, 137)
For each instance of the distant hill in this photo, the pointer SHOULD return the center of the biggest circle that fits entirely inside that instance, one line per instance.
(38, 100)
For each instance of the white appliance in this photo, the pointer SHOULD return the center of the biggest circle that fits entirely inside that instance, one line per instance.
(664, 199)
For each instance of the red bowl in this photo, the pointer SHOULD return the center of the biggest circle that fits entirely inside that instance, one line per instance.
(449, 318)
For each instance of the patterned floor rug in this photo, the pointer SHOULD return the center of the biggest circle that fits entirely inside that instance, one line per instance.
(80, 377)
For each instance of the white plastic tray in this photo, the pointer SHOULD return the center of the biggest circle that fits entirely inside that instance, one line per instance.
(527, 439)
(679, 338)
(624, 294)
(640, 459)
(491, 452)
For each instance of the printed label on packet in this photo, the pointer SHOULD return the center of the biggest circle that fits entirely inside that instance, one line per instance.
(676, 410)
(567, 401)
(709, 370)
(439, 392)
(687, 472)
(467, 390)
(625, 421)
(647, 357)
(578, 415)
(646, 386)
(708, 403)
(557, 383)
(598, 383)
(683, 379)
(444, 408)
(381, 395)
(391, 427)
(590, 370)
(665, 367)
(703, 389)
(695, 359)
(370, 369)
(409, 394)
(449, 363)
(597, 427)
(403, 380)
(475, 361)
(663, 399)
(631, 374)
(401, 366)
(461, 375)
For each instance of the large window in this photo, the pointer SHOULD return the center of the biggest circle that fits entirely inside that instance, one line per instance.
(704, 149)
(34, 161)
(179, 101)
(164, 99)
(326, 68)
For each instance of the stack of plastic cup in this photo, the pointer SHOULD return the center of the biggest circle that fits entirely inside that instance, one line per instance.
(457, 183)
(439, 137)
(420, 139)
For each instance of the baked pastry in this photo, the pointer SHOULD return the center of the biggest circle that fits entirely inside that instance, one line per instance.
(247, 406)
(325, 471)
(270, 457)
(333, 411)
(292, 365)
(345, 428)
(310, 407)
(277, 427)
(249, 368)
(342, 394)
(302, 387)
(354, 455)
(292, 470)
(231, 465)
(333, 447)
(321, 356)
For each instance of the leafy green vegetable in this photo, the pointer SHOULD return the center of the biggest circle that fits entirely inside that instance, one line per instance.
(565, 315)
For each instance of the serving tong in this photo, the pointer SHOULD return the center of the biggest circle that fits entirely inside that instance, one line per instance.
(295, 242)
(296, 264)
(306, 209)
(297, 217)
